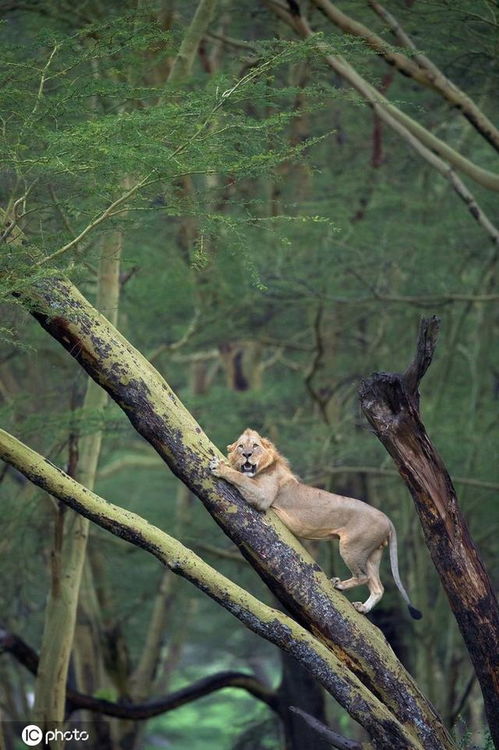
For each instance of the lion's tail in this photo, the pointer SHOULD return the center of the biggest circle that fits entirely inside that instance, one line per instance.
(392, 540)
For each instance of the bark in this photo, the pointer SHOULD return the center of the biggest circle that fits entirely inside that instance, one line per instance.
(334, 674)
(278, 557)
(390, 402)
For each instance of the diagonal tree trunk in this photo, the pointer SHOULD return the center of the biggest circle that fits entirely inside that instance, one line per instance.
(390, 402)
(159, 416)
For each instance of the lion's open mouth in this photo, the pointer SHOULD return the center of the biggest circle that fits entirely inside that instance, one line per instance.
(248, 468)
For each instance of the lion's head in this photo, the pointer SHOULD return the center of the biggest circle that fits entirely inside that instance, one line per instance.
(251, 453)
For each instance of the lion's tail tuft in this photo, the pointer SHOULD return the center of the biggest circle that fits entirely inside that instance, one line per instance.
(415, 613)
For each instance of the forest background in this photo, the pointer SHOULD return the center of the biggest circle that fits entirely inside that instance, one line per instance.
(235, 192)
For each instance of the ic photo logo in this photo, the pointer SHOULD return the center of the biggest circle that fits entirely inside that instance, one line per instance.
(32, 735)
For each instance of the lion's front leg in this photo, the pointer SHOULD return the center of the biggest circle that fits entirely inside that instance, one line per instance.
(257, 495)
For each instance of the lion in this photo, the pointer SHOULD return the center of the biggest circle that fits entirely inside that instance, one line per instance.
(265, 480)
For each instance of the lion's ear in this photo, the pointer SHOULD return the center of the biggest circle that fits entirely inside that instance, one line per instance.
(231, 448)
(267, 444)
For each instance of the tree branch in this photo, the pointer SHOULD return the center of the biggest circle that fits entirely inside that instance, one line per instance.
(425, 348)
(335, 739)
(25, 655)
(388, 111)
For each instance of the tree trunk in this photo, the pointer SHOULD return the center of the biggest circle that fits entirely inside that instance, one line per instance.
(89, 642)
(68, 555)
(60, 634)
(390, 402)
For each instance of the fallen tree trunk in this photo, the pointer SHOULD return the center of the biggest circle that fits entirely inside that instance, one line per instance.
(390, 402)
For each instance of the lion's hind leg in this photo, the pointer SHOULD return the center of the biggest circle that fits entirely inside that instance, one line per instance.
(376, 588)
(357, 565)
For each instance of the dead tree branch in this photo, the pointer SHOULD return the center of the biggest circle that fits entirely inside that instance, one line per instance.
(390, 402)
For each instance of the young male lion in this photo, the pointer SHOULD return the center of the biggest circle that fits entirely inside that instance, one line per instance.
(264, 479)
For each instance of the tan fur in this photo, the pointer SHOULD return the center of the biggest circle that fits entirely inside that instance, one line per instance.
(311, 513)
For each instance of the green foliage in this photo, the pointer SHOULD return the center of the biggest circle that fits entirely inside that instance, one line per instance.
(75, 141)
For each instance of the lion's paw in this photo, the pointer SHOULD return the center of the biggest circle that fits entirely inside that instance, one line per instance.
(335, 582)
(359, 607)
(215, 467)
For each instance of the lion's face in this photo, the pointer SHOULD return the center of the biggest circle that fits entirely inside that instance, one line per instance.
(251, 453)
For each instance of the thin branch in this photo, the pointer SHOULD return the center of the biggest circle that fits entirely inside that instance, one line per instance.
(425, 348)
(334, 739)
(102, 217)
(316, 365)
(225, 554)
(377, 471)
(462, 700)
(130, 461)
(43, 78)
(191, 329)
(402, 37)
(12, 211)
(230, 41)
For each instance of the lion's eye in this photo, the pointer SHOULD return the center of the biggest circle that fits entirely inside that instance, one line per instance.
(255, 445)
(239, 446)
